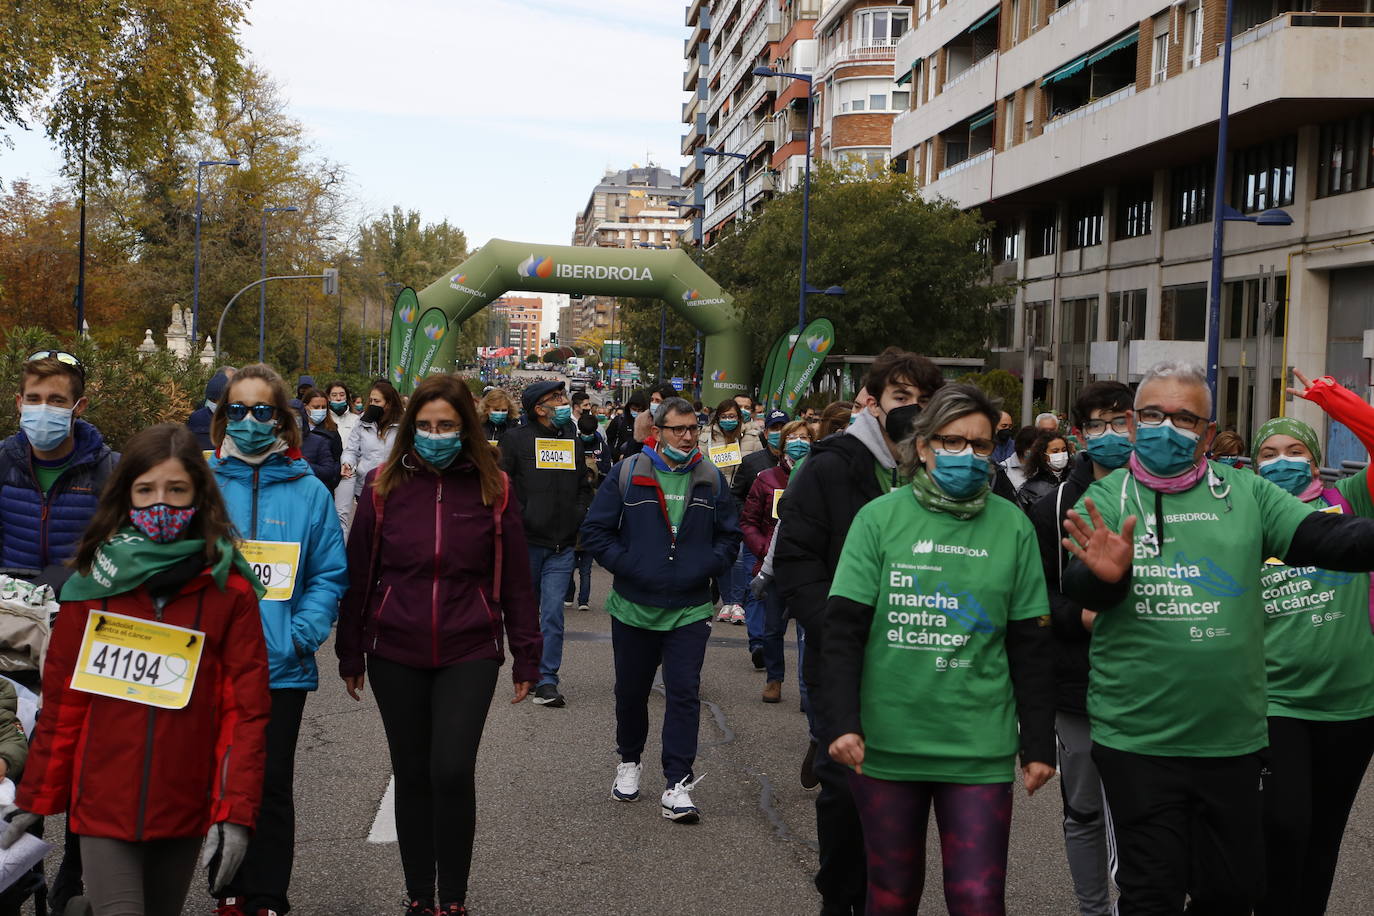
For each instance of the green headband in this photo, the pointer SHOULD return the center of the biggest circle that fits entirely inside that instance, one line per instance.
(1287, 426)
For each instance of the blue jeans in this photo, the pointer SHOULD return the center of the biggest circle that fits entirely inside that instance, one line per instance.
(550, 574)
(584, 573)
(753, 607)
(737, 581)
(774, 634)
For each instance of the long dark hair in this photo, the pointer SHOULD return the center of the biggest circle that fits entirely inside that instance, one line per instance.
(287, 427)
(306, 397)
(402, 463)
(392, 408)
(1036, 457)
(146, 450)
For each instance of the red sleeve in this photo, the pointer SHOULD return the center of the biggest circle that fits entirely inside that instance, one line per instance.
(348, 641)
(245, 705)
(755, 519)
(518, 604)
(47, 784)
(1343, 405)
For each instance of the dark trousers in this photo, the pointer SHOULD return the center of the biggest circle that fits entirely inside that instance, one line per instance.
(139, 879)
(581, 577)
(638, 654)
(265, 875)
(434, 719)
(842, 878)
(1313, 774)
(1185, 826)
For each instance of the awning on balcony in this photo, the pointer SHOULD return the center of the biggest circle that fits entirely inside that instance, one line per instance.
(985, 20)
(981, 119)
(1114, 47)
(1066, 71)
(910, 72)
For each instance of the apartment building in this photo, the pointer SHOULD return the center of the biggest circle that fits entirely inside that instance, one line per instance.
(1086, 131)
(523, 315)
(857, 95)
(630, 208)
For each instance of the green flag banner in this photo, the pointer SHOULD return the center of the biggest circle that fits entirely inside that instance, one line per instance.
(500, 266)
(774, 369)
(808, 354)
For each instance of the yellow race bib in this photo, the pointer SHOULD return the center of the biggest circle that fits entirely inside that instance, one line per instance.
(275, 564)
(725, 456)
(777, 496)
(554, 455)
(141, 661)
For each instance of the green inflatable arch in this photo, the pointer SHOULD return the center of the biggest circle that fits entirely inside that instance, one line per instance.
(424, 326)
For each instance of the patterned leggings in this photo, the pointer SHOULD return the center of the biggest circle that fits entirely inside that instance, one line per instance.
(975, 824)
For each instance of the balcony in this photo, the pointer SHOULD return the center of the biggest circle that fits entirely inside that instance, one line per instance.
(972, 91)
(968, 163)
(945, 25)
(1125, 92)
(969, 71)
(860, 51)
(689, 78)
(760, 182)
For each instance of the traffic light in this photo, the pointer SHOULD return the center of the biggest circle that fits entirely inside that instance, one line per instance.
(553, 337)
(331, 281)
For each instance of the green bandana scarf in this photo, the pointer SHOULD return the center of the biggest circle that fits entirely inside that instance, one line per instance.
(127, 559)
(929, 495)
(1287, 426)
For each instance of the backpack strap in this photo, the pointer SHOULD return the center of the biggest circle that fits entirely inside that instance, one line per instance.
(704, 472)
(375, 557)
(497, 510)
(635, 464)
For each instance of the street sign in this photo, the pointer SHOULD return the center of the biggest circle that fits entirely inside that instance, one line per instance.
(677, 383)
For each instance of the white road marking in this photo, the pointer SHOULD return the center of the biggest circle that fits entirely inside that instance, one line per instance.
(384, 824)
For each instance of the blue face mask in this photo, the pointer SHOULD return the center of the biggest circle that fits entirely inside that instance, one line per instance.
(853, 418)
(562, 415)
(317, 416)
(251, 436)
(588, 437)
(1228, 460)
(1111, 450)
(1166, 450)
(677, 454)
(46, 426)
(1291, 474)
(653, 410)
(775, 438)
(634, 414)
(439, 449)
(497, 417)
(729, 425)
(961, 476)
(796, 448)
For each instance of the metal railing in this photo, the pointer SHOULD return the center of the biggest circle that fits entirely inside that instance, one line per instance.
(968, 163)
(1124, 92)
(1302, 20)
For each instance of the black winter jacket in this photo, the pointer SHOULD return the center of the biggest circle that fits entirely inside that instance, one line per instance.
(1071, 640)
(754, 464)
(552, 502)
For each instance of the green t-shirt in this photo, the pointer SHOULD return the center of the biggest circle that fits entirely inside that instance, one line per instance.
(47, 474)
(1178, 666)
(889, 479)
(676, 485)
(1318, 648)
(935, 699)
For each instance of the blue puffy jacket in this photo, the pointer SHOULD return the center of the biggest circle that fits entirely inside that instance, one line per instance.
(281, 500)
(38, 530)
(630, 535)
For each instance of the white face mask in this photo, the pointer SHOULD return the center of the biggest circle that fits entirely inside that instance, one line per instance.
(1059, 460)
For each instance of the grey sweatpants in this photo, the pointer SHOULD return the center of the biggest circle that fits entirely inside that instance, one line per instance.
(138, 879)
(1085, 821)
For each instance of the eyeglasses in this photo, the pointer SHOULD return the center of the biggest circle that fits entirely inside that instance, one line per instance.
(443, 426)
(690, 429)
(981, 447)
(1181, 419)
(63, 357)
(261, 412)
(1098, 427)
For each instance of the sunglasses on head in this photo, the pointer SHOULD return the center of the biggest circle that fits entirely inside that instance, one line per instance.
(261, 412)
(63, 357)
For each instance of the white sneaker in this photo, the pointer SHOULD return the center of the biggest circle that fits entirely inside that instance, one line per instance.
(677, 802)
(626, 786)
(567, 605)
(736, 614)
(725, 611)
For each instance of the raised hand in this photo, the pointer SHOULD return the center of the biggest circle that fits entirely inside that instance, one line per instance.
(1105, 552)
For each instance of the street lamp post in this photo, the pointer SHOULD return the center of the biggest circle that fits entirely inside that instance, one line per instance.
(262, 297)
(806, 184)
(195, 282)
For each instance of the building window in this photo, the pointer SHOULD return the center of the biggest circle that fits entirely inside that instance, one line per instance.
(1085, 222)
(881, 28)
(1037, 324)
(1004, 327)
(1262, 176)
(1040, 241)
(1015, 21)
(868, 95)
(1183, 312)
(1078, 321)
(1190, 195)
(1005, 242)
(1126, 315)
(1345, 155)
(1159, 55)
(1192, 35)
(1009, 123)
(1135, 209)
(901, 100)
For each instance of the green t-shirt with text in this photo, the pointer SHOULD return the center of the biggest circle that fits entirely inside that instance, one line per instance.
(1319, 651)
(935, 699)
(1178, 666)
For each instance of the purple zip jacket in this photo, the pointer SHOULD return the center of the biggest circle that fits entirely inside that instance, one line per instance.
(435, 603)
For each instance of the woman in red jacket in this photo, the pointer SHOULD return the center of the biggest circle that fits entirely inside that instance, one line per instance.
(439, 573)
(757, 520)
(155, 695)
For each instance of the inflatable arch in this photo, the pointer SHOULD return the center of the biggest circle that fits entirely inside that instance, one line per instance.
(424, 326)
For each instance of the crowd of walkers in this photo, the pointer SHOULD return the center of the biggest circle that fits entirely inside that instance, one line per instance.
(1176, 625)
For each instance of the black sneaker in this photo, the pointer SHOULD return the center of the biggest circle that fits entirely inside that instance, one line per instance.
(419, 908)
(548, 695)
(756, 656)
(808, 771)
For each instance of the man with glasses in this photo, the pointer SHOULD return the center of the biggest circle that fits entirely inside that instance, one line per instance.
(53, 469)
(1102, 415)
(1169, 551)
(664, 524)
(547, 464)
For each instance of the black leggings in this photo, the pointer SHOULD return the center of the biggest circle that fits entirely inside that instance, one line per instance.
(433, 719)
(1314, 773)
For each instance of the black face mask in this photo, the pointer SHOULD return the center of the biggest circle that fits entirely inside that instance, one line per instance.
(372, 413)
(900, 421)
(1004, 435)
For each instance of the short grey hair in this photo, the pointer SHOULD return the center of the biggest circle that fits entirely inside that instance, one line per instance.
(952, 402)
(671, 406)
(1186, 373)
(1047, 416)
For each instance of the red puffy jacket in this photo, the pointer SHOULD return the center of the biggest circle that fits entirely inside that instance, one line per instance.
(756, 519)
(131, 772)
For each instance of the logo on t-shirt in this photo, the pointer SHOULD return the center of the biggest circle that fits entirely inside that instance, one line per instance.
(929, 546)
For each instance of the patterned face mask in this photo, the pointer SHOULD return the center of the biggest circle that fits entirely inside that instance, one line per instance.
(162, 523)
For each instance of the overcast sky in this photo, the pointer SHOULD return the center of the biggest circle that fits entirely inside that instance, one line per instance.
(499, 115)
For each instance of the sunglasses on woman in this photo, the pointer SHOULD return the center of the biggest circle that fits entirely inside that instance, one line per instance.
(261, 412)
